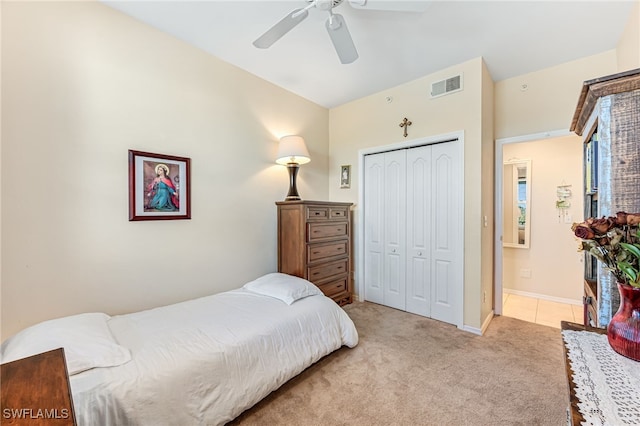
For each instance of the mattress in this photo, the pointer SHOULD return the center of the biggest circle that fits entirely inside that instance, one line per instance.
(205, 361)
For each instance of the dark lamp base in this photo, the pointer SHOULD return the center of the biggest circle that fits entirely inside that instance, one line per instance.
(293, 190)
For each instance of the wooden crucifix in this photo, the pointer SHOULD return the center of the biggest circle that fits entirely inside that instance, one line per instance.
(405, 123)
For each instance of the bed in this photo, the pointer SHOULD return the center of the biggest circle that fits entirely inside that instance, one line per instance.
(199, 362)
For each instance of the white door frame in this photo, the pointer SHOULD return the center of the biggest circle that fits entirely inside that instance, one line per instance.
(447, 137)
(497, 196)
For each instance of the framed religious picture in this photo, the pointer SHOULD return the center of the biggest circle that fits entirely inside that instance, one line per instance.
(159, 186)
(345, 176)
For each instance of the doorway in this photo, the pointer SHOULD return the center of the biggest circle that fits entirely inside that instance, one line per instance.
(542, 280)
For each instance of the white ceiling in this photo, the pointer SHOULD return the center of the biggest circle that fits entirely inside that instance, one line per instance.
(514, 37)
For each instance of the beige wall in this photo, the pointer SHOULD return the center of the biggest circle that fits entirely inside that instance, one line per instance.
(373, 121)
(82, 84)
(555, 264)
(628, 50)
(550, 98)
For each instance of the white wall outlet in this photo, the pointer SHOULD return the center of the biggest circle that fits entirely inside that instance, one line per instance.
(525, 273)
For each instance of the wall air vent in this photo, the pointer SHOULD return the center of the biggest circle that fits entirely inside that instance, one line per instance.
(446, 86)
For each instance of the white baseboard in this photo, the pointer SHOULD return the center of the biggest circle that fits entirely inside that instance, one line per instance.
(480, 331)
(473, 330)
(543, 297)
(487, 321)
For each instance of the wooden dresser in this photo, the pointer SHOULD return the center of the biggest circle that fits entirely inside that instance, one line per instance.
(314, 242)
(35, 391)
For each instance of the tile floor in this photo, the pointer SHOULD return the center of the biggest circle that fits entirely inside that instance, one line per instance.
(540, 311)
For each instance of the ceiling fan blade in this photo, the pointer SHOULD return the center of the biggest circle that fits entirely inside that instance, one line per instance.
(283, 26)
(392, 5)
(341, 38)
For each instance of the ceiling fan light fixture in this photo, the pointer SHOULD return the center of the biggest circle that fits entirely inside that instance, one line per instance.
(335, 25)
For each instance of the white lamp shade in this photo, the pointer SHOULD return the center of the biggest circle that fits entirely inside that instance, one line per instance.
(292, 150)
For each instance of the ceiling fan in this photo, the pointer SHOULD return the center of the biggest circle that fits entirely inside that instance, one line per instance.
(335, 24)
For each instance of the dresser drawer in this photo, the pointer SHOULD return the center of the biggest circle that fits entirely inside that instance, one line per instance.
(326, 213)
(317, 213)
(322, 231)
(338, 213)
(326, 270)
(317, 252)
(334, 287)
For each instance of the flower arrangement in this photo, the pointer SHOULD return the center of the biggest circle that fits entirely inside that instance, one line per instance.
(614, 241)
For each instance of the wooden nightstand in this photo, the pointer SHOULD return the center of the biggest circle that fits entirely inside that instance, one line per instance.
(35, 391)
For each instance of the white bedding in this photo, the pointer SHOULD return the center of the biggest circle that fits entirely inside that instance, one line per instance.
(205, 361)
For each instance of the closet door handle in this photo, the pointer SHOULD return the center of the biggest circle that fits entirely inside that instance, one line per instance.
(419, 253)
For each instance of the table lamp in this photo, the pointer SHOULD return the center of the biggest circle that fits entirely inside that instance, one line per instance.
(291, 153)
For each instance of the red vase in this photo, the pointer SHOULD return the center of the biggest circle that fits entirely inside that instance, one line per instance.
(623, 331)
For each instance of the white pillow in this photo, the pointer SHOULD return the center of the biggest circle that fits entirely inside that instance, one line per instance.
(86, 340)
(282, 286)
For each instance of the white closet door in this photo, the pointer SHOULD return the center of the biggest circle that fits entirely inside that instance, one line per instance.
(419, 230)
(413, 220)
(446, 225)
(374, 227)
(395, 196)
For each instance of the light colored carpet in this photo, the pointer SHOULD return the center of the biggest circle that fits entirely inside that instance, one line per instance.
(410, 370)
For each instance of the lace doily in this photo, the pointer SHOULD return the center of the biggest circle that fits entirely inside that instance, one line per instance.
(607, 384)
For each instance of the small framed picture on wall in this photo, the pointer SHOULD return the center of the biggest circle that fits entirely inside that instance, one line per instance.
(345, 176)
(159, 187)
